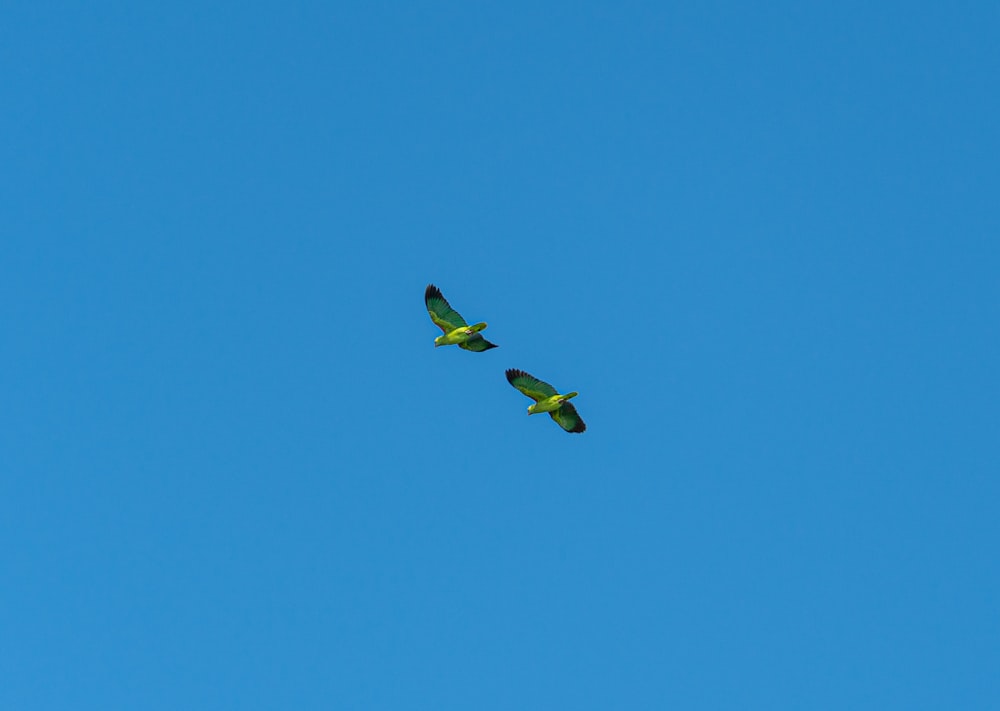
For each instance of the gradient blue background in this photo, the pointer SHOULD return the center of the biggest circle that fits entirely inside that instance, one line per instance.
(761, 242)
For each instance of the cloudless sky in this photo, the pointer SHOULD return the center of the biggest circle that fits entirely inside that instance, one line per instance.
(761, 241)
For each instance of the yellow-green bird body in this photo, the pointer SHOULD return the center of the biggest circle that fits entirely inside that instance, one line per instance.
(459, 335)
(550, 404)
(547, 400)
(456, 331)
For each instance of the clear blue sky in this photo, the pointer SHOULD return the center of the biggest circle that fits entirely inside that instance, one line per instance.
(762, 243)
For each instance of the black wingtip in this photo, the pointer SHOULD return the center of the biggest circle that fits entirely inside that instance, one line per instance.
(431, 291)
(512, 373)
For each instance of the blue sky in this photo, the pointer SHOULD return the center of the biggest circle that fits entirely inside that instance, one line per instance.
(762, 243)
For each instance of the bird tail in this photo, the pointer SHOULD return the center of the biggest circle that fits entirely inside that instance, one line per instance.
(567, 396)
(478, 327)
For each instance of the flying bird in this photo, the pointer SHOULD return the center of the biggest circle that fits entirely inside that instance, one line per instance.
(456, 330)
(547, 400)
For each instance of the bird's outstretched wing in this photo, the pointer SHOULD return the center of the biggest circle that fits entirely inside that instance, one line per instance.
(567, 418)
(477, 343)
(530, 385)
(446, 318)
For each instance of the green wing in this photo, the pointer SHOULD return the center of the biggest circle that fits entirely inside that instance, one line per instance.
(477, 343)
(530, 385)
(446, 318)
(567, 418)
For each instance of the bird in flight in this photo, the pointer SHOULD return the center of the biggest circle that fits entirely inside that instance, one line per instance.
(456, 330)
(547, 400)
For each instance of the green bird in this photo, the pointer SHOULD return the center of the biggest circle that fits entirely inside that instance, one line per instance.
(547, 400)
(456, 330)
